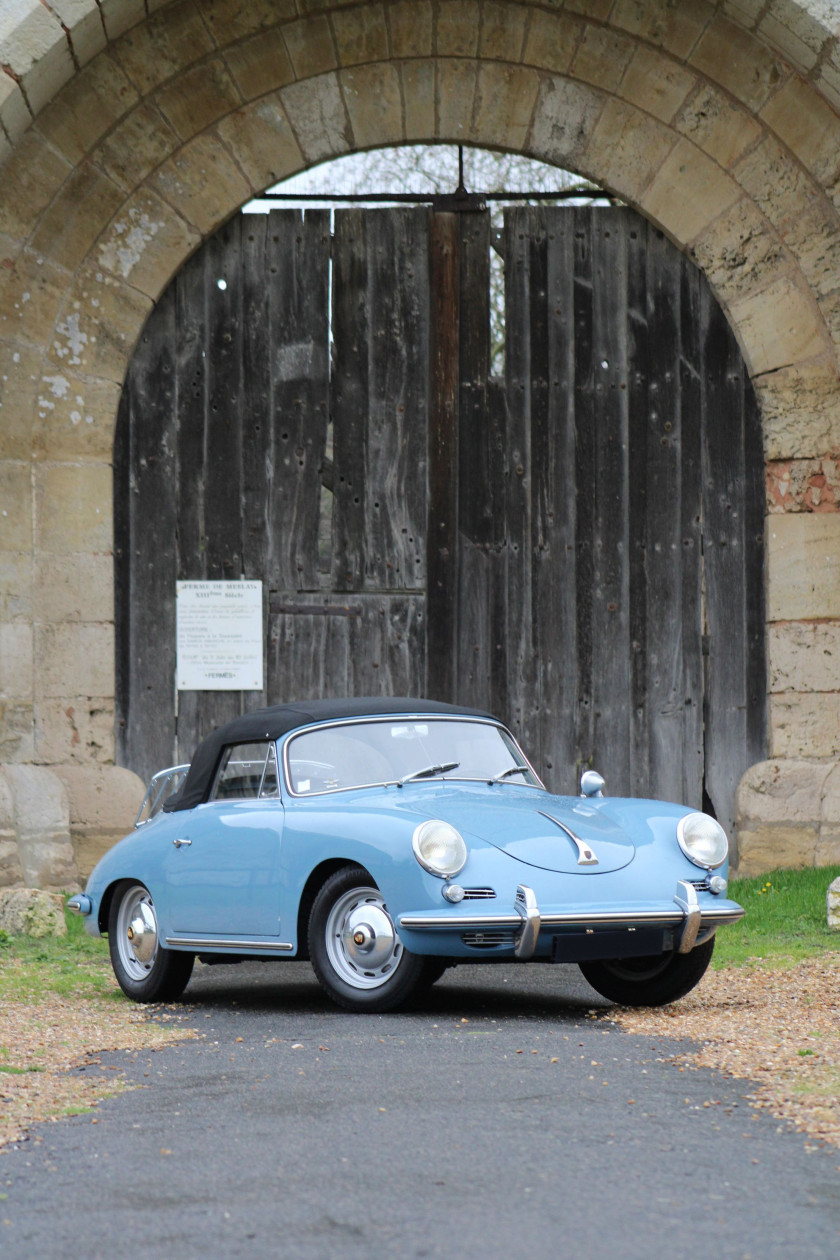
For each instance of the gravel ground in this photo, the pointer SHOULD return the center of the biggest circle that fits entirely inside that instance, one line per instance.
(778, 1028)
(41, 1041)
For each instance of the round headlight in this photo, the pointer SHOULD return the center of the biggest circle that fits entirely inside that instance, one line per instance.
(702, 840)
(439, 848)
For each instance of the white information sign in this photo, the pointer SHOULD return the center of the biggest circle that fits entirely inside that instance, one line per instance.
(219, 636)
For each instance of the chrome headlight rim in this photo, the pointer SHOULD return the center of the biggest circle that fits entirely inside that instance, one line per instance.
(421, 840)
(715, 833)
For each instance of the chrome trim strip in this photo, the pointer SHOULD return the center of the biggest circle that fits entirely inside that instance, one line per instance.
(585, 852)
(528, 910)
(204, 942)
(713, 917)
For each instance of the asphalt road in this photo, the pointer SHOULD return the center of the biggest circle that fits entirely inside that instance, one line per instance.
(498, 1119)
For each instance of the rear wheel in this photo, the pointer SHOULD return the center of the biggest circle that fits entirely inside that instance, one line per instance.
(145, 971)
(356, 952)
(652, 981)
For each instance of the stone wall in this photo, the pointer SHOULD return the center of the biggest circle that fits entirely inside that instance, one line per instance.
(56, 823)
(130, 129)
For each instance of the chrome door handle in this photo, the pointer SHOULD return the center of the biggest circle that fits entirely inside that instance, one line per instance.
(178, 841)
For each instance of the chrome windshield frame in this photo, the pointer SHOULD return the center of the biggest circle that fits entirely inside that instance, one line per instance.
(398, 718)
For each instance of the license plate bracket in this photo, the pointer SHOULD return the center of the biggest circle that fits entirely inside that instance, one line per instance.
(609, 943)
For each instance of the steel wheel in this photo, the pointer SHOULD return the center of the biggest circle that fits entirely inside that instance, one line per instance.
(355, 949)
(145, 970)
(137, 932)
(362, 942)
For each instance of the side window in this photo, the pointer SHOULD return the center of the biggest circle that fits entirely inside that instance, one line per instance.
(247, 771)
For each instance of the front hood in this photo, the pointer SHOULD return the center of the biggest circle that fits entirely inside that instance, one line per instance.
(531, 829)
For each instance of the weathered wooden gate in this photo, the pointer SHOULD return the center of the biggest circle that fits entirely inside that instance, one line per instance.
(576, 546)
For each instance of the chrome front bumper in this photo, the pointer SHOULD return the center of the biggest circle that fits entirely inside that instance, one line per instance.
(686, 919)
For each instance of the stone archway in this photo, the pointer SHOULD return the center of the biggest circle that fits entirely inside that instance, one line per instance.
(124, 143)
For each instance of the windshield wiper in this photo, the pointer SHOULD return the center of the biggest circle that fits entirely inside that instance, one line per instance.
(428, 771)
(510, 770)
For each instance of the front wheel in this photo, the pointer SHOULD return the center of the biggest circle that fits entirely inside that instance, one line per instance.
(652, 981)
(145, 971)
(356, 952)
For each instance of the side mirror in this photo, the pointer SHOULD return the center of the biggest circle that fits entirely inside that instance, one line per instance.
(591, 783)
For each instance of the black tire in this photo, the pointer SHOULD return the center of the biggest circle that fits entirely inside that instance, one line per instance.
(355, 950)
(145, 971)
(652, 981)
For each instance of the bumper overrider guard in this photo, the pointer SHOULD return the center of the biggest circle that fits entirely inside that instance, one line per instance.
(687, 920)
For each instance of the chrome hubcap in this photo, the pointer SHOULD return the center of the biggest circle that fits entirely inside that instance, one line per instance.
(362, 942)
(137, 935)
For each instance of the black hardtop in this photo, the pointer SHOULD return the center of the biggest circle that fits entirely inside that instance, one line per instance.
(279, 719)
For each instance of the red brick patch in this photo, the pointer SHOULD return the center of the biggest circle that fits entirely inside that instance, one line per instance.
(804, 485)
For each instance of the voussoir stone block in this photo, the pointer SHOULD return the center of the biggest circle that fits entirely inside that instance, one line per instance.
(87, 108)
(320, 123)
(374, 104)
(412, 28)
(799, 411)
(502, 31)
(418, 86)
(808, 126)
(564, 119)
(260, 64)
(262, 138)
(41, 814)
(146, 243)
(657, 87)
(505, 104)
(32, 912)
(725, 49)
(458, 25)
(688, 192)
(552, 40)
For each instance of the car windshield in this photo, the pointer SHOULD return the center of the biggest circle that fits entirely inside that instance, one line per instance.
(392, 750)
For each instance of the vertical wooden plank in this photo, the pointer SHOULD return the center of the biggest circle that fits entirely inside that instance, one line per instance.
(145, 561)
(380, 399)
(555, 516)
(442, 533)
(723, 547)
(646, 496)
(200, 712)
(610, 488)
(257, 427)
(691, 405)
(665, 698)
(480, 504)
(349, 393)
(297, 279)
(585, 474)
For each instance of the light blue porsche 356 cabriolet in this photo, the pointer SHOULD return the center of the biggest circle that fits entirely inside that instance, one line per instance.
(386, 840)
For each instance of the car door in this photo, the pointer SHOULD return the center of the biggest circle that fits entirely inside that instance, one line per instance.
(223, 871)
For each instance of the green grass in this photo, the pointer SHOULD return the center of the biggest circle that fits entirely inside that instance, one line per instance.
(75, 964)
(785, 919)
